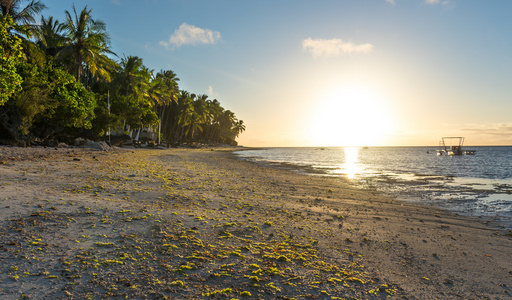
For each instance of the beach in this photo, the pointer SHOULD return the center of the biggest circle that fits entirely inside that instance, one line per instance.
(81, 223)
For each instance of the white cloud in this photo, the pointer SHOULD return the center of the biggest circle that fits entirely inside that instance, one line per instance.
(333, 47)
(433, 2)
(211, 93)
(116, 2)
(191, 35)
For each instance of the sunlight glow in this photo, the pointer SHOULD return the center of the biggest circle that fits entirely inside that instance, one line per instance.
(351, 165)
(350, 116)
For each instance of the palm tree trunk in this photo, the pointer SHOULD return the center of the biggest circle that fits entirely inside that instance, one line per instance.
(6, 7)
(162, 113)
(78, 63)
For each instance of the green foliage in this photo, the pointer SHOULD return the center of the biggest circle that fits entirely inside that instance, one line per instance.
(51, 98)
(132, 112)
(196, 119)
(75, 104)
(103, 119)
(10, 56)
(86, 43)
(66, 93)
(30, 102)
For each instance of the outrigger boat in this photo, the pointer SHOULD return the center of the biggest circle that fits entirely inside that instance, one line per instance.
(453, 146)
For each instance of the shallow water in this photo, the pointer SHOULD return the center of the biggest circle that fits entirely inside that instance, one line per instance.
(476, 185)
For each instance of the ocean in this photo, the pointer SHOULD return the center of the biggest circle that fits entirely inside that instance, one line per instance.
(474, 185)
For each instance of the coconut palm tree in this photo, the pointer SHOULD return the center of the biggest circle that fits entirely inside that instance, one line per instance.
(86, 45)
(49, 36)
(213, 131)
(22, 16)
(179, 118)
(164, 88)
(132, 78)
(130, 100)
(25, 18)
(239, 128)
(164, 91)
(198, 117)
(230, 127)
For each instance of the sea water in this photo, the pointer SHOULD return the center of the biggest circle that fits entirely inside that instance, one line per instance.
(475, 185)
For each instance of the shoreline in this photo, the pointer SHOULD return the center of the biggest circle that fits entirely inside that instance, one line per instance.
(465, 196)
(201, 224)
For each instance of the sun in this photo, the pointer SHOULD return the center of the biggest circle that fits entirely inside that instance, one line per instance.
(350, 116)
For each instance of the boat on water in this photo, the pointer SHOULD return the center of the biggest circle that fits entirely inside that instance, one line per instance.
(452, 145)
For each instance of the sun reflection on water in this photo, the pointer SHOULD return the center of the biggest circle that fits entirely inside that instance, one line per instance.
(351, 166)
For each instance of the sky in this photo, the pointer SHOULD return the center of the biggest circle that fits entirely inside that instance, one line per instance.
(330, 72)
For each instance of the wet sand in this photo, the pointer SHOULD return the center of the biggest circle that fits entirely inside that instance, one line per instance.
(200, 224)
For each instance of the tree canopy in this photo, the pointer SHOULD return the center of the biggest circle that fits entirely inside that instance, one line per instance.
(60, 80)
(10, 57)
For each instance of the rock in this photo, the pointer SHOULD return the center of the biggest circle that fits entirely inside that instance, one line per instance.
(80, 141)
(102, 146)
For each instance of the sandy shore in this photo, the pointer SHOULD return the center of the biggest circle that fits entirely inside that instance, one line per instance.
(200, 224)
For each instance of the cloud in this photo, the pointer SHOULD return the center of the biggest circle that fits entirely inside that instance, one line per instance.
(489, 134)
(116, 2)
(501, 129)
(212, 94)
(191, 35)
(333, 47)
(434, 2)
(431, 2)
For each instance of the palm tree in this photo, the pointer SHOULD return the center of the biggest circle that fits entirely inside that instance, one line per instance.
(216, 111)
(179, 118)
(164, 88)
(230, 127)
(132, 78)
(239, 128)
(164, 91)
(49, 36)
(198, 117)
(23, 16)
(87, 44)
(131, 85)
